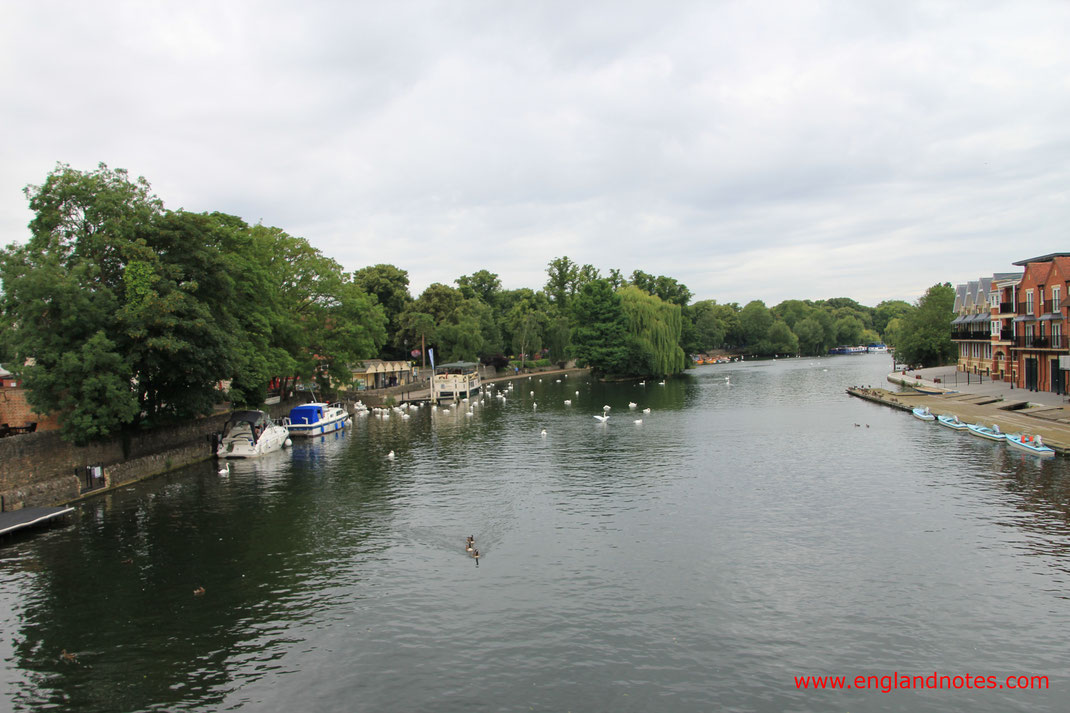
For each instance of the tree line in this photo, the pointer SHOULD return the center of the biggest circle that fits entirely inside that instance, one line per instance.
(119, 313)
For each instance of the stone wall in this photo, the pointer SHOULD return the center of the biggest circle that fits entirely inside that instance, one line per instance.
(40, 468)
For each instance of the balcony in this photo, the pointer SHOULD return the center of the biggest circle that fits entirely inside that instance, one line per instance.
(1006, 308)
(968, 335)
(1056, 342)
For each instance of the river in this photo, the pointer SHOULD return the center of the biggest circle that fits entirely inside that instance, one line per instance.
(759, 525)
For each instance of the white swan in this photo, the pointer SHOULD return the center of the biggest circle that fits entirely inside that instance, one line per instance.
(226, 470)
(601, 419)
(646, 410)
(638, 422)
(632, 404)
(390, 455)
(606, 408)
(568, 402)
(543, 434)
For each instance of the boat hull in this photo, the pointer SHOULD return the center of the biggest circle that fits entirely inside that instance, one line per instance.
(923, 414)
(951, 422)
(985, 432)
(320, 428)
(1018, 442)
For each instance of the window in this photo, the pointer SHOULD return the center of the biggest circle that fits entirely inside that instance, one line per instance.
(1029, 302)
(1055, 292)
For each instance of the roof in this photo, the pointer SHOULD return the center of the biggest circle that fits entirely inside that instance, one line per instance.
(1043, 258)
(458, 365)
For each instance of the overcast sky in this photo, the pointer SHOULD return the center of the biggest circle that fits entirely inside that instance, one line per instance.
(752, 150)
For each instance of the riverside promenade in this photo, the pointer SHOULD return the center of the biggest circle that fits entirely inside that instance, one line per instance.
(988, 402)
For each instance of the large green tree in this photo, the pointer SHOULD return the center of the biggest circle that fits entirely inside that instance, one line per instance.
(655, 328)
(390, 286)
(924, 336)
(599, 328)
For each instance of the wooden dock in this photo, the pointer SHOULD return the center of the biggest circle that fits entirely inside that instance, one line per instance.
(14, 520)
(1053, 423)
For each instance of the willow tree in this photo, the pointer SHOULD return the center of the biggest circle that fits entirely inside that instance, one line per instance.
(654, 329)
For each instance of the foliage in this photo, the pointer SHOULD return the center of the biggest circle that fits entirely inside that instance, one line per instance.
(599, 328)
(779, 339)
(390, 287)
(754, 321)
(924, 336)
(654, 331)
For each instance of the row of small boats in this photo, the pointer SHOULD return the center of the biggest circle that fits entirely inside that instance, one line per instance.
(1022, 441)
(249, 434)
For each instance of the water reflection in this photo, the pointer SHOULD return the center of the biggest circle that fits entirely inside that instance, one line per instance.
(747, 531)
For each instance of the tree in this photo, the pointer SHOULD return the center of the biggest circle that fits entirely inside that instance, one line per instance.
(888, 310)
(600, 328)
(654, 331)
(924, 337)
(780, 340)
(390, 286)
(811, 337)
(849, 330)
(562, 279)
(482, 284)
(754, 321)
(526, 324)
(708, 329)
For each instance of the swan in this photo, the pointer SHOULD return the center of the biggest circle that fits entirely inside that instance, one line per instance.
(606, 408)
(646, 410)
(543, 434)
(661, 383)
(632, 404)
(532, 393)
(534, 406)
(225, 470)
(602, 419)
(638, 422)
(390, 455)
(568, 402)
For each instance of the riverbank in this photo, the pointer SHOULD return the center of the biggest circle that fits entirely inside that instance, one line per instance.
(983, 405)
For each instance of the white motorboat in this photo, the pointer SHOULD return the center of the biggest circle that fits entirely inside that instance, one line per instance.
(249, 434)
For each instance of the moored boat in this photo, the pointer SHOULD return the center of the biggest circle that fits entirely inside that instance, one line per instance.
(316, 419)
(992, 434)
(1030, 444)
(923, 413)
(951, 421)
(249, 434)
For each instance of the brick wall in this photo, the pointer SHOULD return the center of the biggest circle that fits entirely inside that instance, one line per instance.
(15, 411)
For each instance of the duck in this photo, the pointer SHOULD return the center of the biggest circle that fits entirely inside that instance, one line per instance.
(199, 591)
(68, 657)
(475, 554)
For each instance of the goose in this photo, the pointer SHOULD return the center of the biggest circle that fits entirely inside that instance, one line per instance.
(225, 470)
(601, 419)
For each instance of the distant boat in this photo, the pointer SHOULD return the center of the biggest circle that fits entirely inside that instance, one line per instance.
(316, 419)
(1030, 444)
(922, 412)
(951, 421)
(992, 434)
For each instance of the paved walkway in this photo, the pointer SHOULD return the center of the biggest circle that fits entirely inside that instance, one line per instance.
(947, 377)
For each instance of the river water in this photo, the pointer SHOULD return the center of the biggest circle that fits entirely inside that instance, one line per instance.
(758, 526)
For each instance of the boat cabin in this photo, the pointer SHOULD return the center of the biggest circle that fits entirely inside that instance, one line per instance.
(456, 380)
(306, 413)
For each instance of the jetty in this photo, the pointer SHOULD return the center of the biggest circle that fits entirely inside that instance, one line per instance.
(14, 520)
(1013, 410)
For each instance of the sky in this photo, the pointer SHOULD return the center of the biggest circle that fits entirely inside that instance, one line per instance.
(751, 150)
